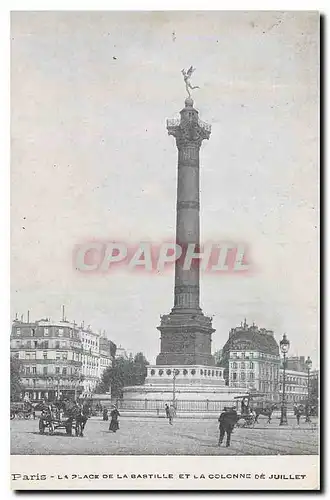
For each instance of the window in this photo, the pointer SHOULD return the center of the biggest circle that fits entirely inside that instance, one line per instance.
(45, 370)
(18, 331)
(58, 355)
(44, 355)
(57, 345)
(57, 369)
(251, 365)
(33, 332)
(64, 371)
(60, 332)
(234, 365)
(46, 332)
(242, 375)
(46, 344)
(251, 376)
(243, 365)
(64, 355)
(234, 376)
(34, 370)
(27, 370)
(28, 344)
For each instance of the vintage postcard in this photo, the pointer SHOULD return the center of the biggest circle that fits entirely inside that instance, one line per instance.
(164, 239)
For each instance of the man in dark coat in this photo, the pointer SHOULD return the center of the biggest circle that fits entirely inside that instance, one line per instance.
(227, 421)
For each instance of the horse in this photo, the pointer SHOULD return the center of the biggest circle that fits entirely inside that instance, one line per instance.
(81, 415)
(265, 411)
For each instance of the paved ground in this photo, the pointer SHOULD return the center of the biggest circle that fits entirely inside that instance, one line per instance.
(152, 436)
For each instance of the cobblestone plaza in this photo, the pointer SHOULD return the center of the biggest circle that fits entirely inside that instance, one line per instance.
(154, 436)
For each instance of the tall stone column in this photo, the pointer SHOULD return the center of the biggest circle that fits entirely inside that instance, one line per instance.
(186, 332)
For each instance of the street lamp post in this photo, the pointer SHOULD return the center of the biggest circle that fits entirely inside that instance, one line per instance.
(284, 346)
(308, 365)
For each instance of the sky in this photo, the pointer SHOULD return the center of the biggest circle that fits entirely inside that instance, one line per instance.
(91, 160)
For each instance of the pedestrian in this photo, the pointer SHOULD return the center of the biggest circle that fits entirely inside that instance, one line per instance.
(296, 411)
(114, 424)
(167, 411)
(105, 414)
(171, 414)
(227, 421)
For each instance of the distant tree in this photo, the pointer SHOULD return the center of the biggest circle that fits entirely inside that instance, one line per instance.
(140, 364)
(122, 373)
(15, 380)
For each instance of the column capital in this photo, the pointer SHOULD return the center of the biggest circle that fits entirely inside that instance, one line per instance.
(188, 132)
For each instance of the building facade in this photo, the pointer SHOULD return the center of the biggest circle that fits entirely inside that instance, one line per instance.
(296, 385)
(59, 359)
(121, 353)
(51, 358)
(296, 363)
(251, 360)
(91, 368)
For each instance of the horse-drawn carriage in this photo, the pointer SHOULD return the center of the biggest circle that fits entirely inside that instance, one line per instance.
(22, 409)
(249, 408)
(69, 416)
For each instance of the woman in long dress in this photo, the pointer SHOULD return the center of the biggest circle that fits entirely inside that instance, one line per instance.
(114, 424)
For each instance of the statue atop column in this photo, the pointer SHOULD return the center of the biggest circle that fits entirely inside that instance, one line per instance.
(186, 76)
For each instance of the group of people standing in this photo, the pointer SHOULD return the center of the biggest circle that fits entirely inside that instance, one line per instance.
(299, 411)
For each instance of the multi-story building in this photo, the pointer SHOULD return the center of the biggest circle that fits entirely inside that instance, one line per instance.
(59, 359)
(90, 359)
(51, 358)
(296, 387)
(107, 353)
(121, 352)
(296, 363)
(251, 360)
(218, 357)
